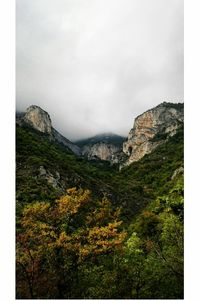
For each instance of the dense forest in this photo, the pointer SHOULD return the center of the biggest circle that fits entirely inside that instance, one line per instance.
(98, 232)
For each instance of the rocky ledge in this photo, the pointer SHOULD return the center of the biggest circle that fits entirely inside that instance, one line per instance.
(151, 129)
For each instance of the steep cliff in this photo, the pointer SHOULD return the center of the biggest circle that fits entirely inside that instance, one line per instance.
(105, 146)
(36, 118)
(151, 129)
(100, 150)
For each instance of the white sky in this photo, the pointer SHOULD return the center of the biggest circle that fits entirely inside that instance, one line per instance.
(94, 65)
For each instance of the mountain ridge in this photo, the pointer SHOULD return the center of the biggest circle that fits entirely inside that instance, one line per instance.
(71, 212)
(102, 137)
(150, 129)
(40, 120)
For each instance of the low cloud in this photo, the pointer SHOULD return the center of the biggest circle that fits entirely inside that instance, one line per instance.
(94, 65)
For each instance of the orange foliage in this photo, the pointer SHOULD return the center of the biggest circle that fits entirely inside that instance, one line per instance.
(45, 232)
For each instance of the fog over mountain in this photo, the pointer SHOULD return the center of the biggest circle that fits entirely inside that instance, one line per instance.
(94, 65)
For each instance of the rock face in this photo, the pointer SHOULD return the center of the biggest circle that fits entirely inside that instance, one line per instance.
(40, 120)
(151, 129)
(52, 180)
(106, 146)
(100, 150)
(177, 172)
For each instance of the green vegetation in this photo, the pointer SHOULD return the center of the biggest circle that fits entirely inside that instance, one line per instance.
(179, 106)
(111, 235)
(34, 149)
(141, 182)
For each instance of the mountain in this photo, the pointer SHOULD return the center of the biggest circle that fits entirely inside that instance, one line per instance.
(38, 119)
(84, 229)
(109, 138)
(46, 166)
(152, 128)
(105, 146)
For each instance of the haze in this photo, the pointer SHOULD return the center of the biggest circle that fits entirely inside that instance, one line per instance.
(95, 65)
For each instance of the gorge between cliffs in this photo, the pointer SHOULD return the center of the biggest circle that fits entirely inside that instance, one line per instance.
(101, 217)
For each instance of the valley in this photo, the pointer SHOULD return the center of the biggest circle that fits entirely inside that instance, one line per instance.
(106, 209)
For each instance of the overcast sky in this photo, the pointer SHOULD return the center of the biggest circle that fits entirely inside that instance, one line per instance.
(94, 65)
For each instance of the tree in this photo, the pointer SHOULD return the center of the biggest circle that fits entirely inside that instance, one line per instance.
(54, 240)
(153, 260)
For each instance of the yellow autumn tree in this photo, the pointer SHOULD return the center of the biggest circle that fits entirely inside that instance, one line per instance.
(53, 240)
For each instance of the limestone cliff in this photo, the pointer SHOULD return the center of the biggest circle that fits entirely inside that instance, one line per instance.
(152, 128)
(106, 146)
(100, 150)
(40, 120)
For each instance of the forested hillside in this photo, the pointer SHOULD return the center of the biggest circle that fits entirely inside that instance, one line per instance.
(87, 230)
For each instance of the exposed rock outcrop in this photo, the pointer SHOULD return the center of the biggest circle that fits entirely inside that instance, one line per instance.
(177, 172)
(53, 180)
(106, 146)
(100, 150)
(151, 129)
(40, 120)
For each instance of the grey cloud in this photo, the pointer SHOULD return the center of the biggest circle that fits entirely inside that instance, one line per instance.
(94, 65)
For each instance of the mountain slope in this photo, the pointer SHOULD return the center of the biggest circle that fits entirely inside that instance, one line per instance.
(46, 166)
(151, 129)
(105, 146)
(124, 239)
(45, 169)
(142, 181)
(38, 119)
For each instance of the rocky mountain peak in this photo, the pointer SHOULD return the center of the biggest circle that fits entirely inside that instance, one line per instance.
(39, 119)
(152, 128)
